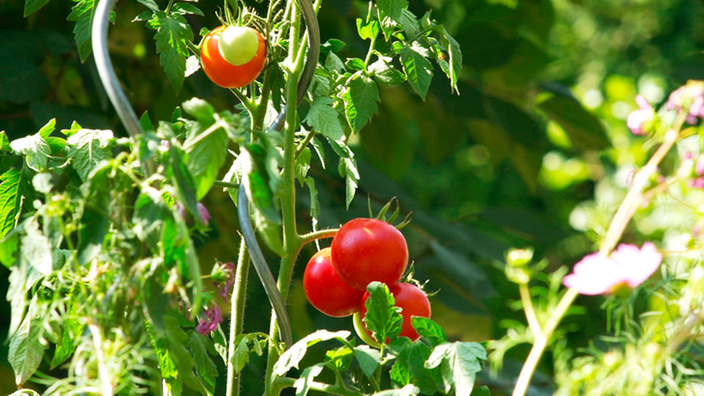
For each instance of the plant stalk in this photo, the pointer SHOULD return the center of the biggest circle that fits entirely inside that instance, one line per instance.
(237, 301)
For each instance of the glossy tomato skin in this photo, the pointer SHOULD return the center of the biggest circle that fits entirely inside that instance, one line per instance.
(326, 291)
(411, 300)
(222, 72)
(368, 250)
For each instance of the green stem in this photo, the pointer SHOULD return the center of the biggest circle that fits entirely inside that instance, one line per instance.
(248, 104)
(292, 244)
(168, 7)
(222, 183)
(369, 53)
(304, 143)
(286, 382)
(623, 215)
(238, 298)
(320, 234)
(211, 129)
(263, 105)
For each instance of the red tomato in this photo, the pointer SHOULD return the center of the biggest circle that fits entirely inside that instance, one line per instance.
(222, 72)
(368, 250)
(326, 291)
(411, 300)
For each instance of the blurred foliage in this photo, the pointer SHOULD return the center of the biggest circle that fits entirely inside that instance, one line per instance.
(544, 94)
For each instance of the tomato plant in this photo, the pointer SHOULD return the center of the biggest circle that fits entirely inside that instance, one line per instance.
(326, 291)
(412, 301)
(368, 250)
(222, 44)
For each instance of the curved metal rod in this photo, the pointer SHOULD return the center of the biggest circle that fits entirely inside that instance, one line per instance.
(260, 265)
(99, 34)
(313, 30)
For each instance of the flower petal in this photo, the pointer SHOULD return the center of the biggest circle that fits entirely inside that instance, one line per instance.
(637, 265)
(594, 274)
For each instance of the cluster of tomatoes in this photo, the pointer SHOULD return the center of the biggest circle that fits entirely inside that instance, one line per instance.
(363, 251)
(233, 56)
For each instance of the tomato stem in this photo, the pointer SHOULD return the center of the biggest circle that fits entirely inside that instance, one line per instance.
(238, 298)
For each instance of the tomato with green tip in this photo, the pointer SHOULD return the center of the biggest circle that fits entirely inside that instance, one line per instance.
(233, 56)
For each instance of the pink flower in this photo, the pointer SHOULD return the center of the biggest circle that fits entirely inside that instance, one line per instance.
(597, 274)
(639, 121)
(225, 278)
(689, 97)
(204, 214)
(213, 317)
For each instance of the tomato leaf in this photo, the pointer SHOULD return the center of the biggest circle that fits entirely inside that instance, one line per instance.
(303, 383)
(408, 390)
(383, 318)
(392, 9)
(14, 189)
(340, 358)
(386, 73)
(360, 98)
(459, 362)
(172, 32)
(429, 380)
(369, 359)
(347, 168)
(35, 150)
(368, 30)
(82, 13)
(70, 337)
(322, 117)
(26, 351)
(32, 6)
(87, 148)
(183, 181)
(453, 68)
(35, 249)
(419, 72)
(429, 330)
(293, 356)
(204, 366)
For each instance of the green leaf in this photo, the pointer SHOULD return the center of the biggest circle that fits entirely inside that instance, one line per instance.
(460, 362)
(172, 32)
(183, 181)
(35, 249)
(302, 384)
(82, 14)
(260, 193)
(47, 129)
(145, 122)
(14, 188)
(186, 8)
(26, 350)
(408, 390)
(292, 357)
(87, 148)
(355, 64)
(454, 66)
(368, 30)
(391, 8)
(584, 129)
(429, 330)
(71, 336)
(35, 150)
(340, 358)
(369, 359)
(361, 98)
(419, 72)
(347, 168)
(428, 380)
(481, 391)
(383, 318)
(8, 249)
(322, 117)
(205, 368)
(400, 372)
(302, 165)
(32, 6)
(386, 73)
(241, 356)
(314, 203)
(167, 366)
(206, 155)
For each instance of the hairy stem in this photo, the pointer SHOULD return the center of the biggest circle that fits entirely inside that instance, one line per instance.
(238, 298)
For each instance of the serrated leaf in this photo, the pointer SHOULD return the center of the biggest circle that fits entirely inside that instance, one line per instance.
(35, 150)
(302, 384)
(87, 148)
(292, 357)
(172, 32)
(341, 358)
(386, 73)
(459, 361)
(32, 6)
(419, 72)
(14, 188)
(205, 368)
(368, 358)
(347, 168)
(584, 129)
(82, 13)
(241, 356)
(35, 249)
(391, 8)
(382, 318)
(322, 117)
(429, 330)
(26, 351)
(428, 380)
(361, 100)
(186, 8)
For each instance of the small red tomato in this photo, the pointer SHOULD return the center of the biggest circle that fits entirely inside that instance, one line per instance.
(368, 250)
(326, 291)
(411, 300)
(222, 72)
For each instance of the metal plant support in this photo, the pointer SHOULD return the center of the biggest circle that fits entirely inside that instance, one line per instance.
(130, 121)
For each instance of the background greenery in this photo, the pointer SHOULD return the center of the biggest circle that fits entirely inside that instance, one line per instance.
(544, 93)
